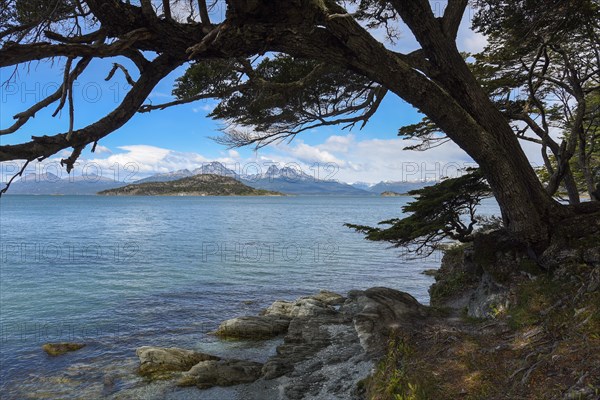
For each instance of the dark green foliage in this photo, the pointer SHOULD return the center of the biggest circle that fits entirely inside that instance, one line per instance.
(522, 22)
(445, 210)
(28, 11)
(280, 95)
(426, 131)
(211, 76)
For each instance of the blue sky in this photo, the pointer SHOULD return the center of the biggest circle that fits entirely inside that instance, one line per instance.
(179, 137)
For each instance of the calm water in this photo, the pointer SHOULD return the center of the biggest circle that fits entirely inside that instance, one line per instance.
(117, 273)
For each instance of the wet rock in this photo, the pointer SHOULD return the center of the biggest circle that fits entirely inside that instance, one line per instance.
(57, 349)
(207, 374)
(254, 327)
(160, 362)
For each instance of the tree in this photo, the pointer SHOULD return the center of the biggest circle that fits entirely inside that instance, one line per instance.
(585, 165)
(435, 79)
(540, 68)
(440, 212)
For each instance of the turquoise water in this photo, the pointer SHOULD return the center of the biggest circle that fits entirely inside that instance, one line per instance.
(121, 272)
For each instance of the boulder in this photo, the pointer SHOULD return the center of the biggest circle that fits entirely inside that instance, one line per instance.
(207, 374)
(381, 311)
(57, 349)
(160, 362)
(303, 307)
(310, 307)
(281, 308)
(329, 298)
(254, 327)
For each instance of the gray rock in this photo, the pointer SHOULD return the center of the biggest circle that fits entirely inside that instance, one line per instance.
(207, 374)
(160, 362)
(303, 307)
(311, 307)
(280, 308)
(381, 311)
(329, 298)
(254, 327)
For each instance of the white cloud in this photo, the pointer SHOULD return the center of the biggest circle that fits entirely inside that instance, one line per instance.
(346, 158)
(302, 152)
(157, 94)
(102, 150)
(374, 160)
(338, 144)
(205, 108)
(471, 42)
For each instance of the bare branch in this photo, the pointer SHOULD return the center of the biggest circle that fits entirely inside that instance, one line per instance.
(204, 17)
(20, 173)
(125, 72)
(24, 116)
(17, 54)
(45, 146)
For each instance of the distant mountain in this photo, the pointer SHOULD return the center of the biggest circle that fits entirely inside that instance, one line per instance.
(166, 177)
(45, 184)
(197, 185)
(214, 168)
(398, 187)
(291, 181)
(362, 185)
(285, 180)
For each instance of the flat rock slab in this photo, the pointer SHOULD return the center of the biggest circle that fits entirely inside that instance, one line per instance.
(160, 362)
(254, 327)
(57, 349)
(303, 307)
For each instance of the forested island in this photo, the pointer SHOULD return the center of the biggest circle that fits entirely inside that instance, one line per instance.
(197, 185)
(391, 194)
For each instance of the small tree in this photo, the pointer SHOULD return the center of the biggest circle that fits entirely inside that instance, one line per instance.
(443, 211)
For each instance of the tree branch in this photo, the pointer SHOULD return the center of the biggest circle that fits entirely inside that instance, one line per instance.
(46, 146)
(453, 16)
(24, 116)
(17, 54)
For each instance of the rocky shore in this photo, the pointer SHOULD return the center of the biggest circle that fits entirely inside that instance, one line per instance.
(330, 343)
(500, 326)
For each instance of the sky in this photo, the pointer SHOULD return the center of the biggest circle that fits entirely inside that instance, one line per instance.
(181, 137)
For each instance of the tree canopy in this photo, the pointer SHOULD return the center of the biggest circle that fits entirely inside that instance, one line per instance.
(441, 212)
(279, 68)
